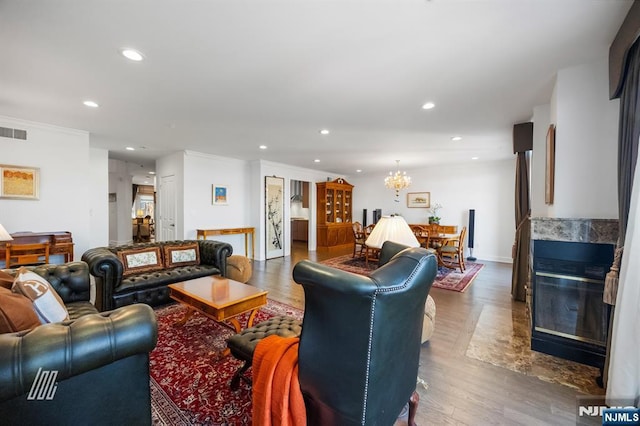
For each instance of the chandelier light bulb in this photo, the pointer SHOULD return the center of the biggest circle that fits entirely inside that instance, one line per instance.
(397, 181)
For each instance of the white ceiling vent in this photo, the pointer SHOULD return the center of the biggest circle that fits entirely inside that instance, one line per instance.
(6, 132)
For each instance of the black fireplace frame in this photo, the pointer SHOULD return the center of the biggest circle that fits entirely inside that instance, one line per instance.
(582, 261)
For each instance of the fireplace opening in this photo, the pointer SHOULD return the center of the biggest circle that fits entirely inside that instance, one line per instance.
(569, 319)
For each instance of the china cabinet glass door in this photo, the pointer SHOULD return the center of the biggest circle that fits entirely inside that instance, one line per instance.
(330, 205)
(347, 206)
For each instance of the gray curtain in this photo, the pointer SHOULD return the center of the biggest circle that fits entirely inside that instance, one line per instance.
(628, 134)
(522, 244)
(628, 137)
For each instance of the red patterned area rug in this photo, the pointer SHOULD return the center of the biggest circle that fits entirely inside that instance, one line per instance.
(189, 373)
(448, 279)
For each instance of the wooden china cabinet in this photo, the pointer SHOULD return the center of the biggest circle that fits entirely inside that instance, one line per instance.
(335, 204)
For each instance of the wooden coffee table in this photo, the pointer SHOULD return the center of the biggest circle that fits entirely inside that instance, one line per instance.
(221, 299)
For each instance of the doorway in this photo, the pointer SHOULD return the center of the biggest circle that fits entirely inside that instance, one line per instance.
(166, 231)
(299, 212)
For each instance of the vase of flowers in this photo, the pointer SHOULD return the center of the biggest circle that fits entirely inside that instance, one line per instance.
(434, 218)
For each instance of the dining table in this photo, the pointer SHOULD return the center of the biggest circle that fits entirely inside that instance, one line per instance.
(436, 241)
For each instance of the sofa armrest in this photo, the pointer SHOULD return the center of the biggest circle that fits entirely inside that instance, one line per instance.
(107, 270)
(74, 347)
(215, 253)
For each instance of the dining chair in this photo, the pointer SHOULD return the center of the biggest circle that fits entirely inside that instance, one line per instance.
(422, 234)
(358, 238)
(26, 254)
(451, 253)
(135, 231)
(145, 232)
(370, 253)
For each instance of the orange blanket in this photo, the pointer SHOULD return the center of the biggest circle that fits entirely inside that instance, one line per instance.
(277, 399)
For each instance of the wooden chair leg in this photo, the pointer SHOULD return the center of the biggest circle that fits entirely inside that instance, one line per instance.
(413, 408)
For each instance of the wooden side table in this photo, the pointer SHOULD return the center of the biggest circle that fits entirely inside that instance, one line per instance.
(204, 233)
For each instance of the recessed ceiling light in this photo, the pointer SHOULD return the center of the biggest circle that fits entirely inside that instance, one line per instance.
(456, 138)
(324, 132)
(132, 54)
(91, 104)
(263, 147)
(358, 171)
(152, 173)
(130, 148)
(317, 160)
(428, 105)
(474, 158)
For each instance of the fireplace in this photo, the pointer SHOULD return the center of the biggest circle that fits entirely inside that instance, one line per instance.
(569, 318)
(569, 261)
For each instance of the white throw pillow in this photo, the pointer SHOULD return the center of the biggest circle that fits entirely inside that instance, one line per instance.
(46, 302)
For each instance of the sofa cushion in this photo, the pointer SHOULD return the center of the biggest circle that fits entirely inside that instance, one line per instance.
(165, 277)
(135, 261)
(46, 301)
(181, 255)
(16, 312)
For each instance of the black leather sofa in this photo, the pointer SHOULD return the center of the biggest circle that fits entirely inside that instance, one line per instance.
(113, 289)
(101, 361)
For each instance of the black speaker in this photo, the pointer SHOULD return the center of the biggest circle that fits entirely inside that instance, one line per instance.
(364, 217)
(472, 220)
(377, 214)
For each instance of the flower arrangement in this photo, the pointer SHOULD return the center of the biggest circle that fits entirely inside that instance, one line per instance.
(434, 218)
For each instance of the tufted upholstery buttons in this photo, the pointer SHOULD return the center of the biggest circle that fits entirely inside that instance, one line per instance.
(244, 343)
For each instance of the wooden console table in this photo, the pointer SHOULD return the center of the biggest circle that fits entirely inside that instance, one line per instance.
(204, 233)
(59, 242)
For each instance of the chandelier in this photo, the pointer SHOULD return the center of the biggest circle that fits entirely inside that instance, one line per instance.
(397, 181)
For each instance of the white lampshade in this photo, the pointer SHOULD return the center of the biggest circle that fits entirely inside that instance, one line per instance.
(392, 228)
(4, 235)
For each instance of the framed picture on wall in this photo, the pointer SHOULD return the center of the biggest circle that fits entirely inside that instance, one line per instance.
(219, 195)
(274, 216)
(418, 199)
(550, 165)
(19, 182)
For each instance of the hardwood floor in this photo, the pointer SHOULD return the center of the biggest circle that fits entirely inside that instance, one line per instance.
(460, 390)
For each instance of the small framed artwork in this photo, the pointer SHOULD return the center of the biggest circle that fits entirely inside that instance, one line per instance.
(419, 199)
(550, 165)
(219, 195)
(20, 183)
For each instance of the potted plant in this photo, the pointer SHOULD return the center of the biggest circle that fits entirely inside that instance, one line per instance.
(434, 218)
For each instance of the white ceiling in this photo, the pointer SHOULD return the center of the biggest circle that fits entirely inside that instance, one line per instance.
(225, 76)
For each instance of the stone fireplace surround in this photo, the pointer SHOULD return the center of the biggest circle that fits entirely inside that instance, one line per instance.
(592, 231)
(604, 231)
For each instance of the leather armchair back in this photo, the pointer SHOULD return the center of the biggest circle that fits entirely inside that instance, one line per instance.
(360, 341)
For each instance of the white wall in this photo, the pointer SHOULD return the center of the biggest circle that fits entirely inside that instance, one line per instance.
(120, 183)
(586, 144)
(260, 169)
(486, 187)
(67, 177)
(201, 172)
(99, 210)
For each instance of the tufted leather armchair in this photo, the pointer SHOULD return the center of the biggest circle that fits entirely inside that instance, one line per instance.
(101, 360)
(360, 342)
